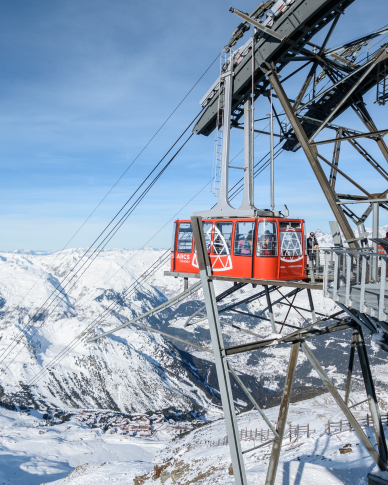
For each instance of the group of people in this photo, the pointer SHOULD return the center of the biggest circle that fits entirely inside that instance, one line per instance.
(244, 244)
(266, 245)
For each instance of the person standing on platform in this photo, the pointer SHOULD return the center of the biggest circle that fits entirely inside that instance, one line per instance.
(312, 247)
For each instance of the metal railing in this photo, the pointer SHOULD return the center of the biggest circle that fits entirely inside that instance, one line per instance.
(357, 278)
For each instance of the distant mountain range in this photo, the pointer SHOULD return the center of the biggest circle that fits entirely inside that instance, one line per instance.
(135, 370)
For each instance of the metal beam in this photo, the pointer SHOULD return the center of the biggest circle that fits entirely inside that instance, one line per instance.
(311, 154)
(219, 353)
(336, 154)
(257, 24)
(344, 175)
(371, 393)
(372, 134)
(361, 150)
(365, 117)
(334, 85)
(380, 56)
(239, 127)
(282, 419)
(256, 281)
(219, 297)
(253, 401)
(193, 288)
(306, 84)
(350, 367)
(269, 305)
(261, 344)
(352, 420)
(312, 309)
(362, 322)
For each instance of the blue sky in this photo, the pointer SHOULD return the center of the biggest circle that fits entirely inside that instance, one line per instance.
(85, 85)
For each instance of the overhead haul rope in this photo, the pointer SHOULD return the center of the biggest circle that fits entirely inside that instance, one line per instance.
(126, 293)
(152, 237)
(100, 247)
(130, 289)
(162, 260)
(121, 176)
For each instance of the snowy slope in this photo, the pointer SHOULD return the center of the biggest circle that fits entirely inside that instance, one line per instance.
(198, 458)
(135, 371)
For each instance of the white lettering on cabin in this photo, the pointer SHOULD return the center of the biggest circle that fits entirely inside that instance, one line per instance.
(185, 258)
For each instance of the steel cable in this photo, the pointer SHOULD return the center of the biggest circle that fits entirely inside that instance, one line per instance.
(114, 185)
(101, 246)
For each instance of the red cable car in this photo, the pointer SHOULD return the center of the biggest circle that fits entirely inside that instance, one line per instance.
(259, 248)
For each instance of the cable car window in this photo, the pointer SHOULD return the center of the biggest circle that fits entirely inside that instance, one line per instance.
(185, 238)
(207, 229)
(285, 225)
(173, 238)
(291, 244)
(243, 238)
(267, 239)
(222, 237)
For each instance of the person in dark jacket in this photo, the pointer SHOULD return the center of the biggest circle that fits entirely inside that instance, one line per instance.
(312, 244)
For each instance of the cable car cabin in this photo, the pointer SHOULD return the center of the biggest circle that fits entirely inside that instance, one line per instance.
(260, 248)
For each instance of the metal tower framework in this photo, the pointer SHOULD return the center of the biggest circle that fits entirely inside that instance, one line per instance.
(352, 70)
(297, 341)
(255, 73)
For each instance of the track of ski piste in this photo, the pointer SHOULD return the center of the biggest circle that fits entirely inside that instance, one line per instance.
(136, 408)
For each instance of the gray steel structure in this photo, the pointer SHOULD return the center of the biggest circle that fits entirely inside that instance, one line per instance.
(289, 40)
(297, 341)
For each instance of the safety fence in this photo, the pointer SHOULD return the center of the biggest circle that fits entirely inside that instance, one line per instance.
(357, 278)
(343, 425)
(258, 436)
(296, 432)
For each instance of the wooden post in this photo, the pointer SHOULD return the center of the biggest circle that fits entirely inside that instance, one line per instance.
(308, 430)
(328, 427)
(290, 432)
(341, 426)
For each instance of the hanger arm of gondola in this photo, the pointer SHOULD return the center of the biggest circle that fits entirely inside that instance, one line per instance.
(256, 23)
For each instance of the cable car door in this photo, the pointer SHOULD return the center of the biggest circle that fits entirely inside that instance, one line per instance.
(291, 250)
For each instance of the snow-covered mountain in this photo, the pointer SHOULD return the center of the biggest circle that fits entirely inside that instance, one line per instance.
(45, 361)
(325, 239)
(135, 371)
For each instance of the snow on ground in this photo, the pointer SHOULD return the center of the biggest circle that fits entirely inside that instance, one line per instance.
(138, 371)
(192, 459)
(31, 455)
